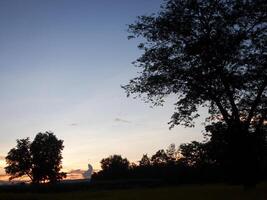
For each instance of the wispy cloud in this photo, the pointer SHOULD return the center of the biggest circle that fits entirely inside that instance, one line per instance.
(76, 171)
(3, 178)
(76, 174)
(121, 120)
(79, 173)
(73, 124)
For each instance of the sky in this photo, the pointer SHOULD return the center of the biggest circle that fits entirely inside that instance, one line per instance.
(62, 64)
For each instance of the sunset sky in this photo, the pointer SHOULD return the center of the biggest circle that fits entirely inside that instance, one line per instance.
(61, 66)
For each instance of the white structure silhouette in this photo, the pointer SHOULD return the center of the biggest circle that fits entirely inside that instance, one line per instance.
(88, 174)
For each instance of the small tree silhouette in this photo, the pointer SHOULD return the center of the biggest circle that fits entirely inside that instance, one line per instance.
(114, 166)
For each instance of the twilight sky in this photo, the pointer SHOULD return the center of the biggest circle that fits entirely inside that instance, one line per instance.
(61, 66)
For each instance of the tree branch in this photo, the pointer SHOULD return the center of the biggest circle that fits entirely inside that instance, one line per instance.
(256, 102)
(229, 93)
(29, 175)
(224, 113)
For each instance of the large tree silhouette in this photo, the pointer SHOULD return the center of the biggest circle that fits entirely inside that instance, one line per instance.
(40, 160)
(46, 156)
(209, 54)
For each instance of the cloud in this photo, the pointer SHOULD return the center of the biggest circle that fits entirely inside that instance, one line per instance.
(4, 177)
(88, 174)
(76, 171)
(121, 120)
(75, 174)
(80, 174)
(73, 124)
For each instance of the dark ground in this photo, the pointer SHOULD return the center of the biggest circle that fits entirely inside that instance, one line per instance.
(186, 192)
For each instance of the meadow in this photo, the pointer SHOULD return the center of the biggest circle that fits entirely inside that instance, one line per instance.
(186, 192)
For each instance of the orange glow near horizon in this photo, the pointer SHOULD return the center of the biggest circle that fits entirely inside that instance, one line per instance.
(71, 175)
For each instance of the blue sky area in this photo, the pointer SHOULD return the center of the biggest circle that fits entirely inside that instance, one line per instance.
(61, 66)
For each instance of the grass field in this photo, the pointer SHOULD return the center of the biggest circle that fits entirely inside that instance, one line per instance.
(206, 192)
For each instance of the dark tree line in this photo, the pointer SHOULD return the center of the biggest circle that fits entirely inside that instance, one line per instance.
(168, 165)
(210, 54)
(194, 162)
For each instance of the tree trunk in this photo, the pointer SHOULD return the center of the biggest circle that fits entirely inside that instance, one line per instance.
(243, 162)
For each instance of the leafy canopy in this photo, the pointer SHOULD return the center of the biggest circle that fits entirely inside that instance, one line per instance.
(115, 163)
(19, 162)
(40, 160)
(207, 53)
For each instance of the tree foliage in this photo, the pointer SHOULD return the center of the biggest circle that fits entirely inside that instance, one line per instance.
(19, 162)
(195, 154)
(114, 166)
(182, 165)
(159, 158)
(40, 160)
(145, 161)
(208, 53)
(46, 155)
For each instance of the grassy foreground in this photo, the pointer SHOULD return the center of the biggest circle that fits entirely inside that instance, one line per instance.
(206, 192)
